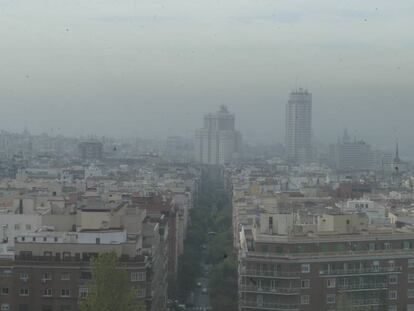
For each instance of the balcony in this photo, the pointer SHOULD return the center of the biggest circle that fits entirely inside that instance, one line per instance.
(341, 254)
(268, 290)
(363, 287)
(367, 302)
(269, 273)
(53, 261)
(371, 270)
(268, 306)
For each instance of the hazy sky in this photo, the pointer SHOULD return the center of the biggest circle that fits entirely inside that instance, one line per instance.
(152, 68)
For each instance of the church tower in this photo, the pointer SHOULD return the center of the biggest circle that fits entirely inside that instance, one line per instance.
(396, 167)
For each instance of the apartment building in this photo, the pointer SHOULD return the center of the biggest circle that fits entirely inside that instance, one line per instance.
(299, 261)
(50, 270)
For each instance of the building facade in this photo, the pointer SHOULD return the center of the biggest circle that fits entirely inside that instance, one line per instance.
(90, 150)
(299, 126)
(326, 262)
(218, 142)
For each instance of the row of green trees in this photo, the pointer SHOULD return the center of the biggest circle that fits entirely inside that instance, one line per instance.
(212, 214)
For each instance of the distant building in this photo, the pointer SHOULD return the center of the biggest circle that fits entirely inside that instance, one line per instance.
(299, 126)
(90, 150)
(396, 165)
(217, 142)
(353, 155)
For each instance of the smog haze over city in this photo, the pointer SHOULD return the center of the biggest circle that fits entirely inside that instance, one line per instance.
(206, 155)
(152, 68)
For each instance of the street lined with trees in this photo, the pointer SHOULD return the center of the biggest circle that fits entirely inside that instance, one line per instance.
(209, 242)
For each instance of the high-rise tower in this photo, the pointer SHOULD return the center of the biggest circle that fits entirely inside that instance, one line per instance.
(299, 126)
(218, 141)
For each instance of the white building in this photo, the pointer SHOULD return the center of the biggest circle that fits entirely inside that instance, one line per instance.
(13, 225)
(217, 142)
(299, 126)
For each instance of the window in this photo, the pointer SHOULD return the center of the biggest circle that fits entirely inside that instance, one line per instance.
(28, 227)
(47, 308)
(392, 295)
(141, 292)
(305, 268)
(85, 275)
(98, 241)
(387, 245)
(304, 299)
(376, 266)
(305, 283)
(66, 255)
(392, 308)
(330, 298)
(371, 246)
(5, 291)
(5, 307)
(410, 293)
(406, 244)
(17, 227)
(138, 276)
(24, 276)
(65, 308)
(24, 292)
(65, 292)
(393, 279)
(65, 276)
(259, 300)
(47, 292)
(24, 307)
(330, 283)
(83, 292)
(411, 263)
(47, 276)
(410, 277)
(259, 284)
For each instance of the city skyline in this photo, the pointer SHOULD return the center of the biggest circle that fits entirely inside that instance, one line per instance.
(121, 68)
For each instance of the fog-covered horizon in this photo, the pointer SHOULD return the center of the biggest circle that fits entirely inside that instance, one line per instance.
(153, 68)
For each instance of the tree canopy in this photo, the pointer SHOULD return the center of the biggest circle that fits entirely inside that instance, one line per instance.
(110, 288)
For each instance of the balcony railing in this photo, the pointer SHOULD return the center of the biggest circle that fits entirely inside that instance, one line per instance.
(268, 306)
(367, 286)
(138, 260)
(367, 302)
(269, 290)
(269, 273)
(370, 270)
(317, 255)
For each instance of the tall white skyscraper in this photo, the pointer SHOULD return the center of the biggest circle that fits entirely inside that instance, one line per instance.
(299, 126)
(217, 142)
